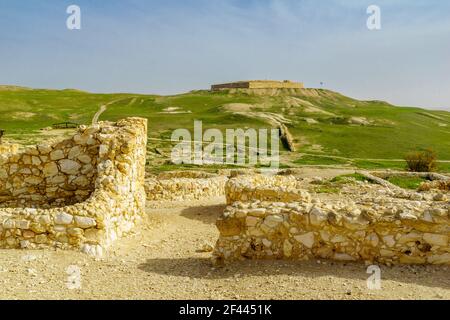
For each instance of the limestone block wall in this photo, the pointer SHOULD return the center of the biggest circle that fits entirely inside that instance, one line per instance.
(390, 231)
(264, 188)
(267, 84)
(102, 169)
(51, 174)
(187, 185)
(258, 84)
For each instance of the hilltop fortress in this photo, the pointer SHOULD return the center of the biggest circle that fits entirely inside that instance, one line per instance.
(258, 84)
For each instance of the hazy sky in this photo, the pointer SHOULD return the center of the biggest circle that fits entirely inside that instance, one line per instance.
(171, 46)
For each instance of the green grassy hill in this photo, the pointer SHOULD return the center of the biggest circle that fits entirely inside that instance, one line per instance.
(328, 128)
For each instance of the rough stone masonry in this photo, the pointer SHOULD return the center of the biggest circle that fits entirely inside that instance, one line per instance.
(272, 218)
(83, 192)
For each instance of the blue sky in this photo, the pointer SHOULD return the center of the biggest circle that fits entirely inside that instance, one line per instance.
(172, 46)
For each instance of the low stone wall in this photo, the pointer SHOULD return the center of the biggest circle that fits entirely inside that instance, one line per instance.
(443, 185)
(83, 192)
(388, 230)
(432, 176)
(264, 188)
(187, 185)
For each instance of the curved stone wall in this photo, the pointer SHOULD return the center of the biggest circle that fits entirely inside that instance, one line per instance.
(112, 197)
(51, 174)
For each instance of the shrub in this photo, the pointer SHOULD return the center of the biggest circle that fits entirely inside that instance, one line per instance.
(421, 161)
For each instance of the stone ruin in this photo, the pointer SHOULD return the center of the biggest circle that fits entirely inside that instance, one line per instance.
(275, 218)
(87, 191)
(258, 84)
(82, 193)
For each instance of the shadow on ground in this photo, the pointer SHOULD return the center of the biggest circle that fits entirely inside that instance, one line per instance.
(205, 214)
(201, 268)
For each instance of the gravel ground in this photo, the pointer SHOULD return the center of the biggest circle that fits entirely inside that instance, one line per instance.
(163, 260)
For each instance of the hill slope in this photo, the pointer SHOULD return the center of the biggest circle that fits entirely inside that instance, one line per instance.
(326, 126)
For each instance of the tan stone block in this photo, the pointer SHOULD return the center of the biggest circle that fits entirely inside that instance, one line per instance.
(63, 218)
(84, 158)
(436, 239)
(85, 222)
(41, 239)
(439, 258)
(252, 221)
(26, 159)
(33, 180)
(69, 166)
(22, 224)
(405, 259)
(287, 248)
(75, 232)
(74, 152)
(36, 161)
(410, 237)
(229, 227)
(44, 149)
(306, 239)
(27, 234)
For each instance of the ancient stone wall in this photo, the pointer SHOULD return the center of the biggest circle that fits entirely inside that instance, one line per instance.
(187, 185)
(6, 148)
(51, 175)
(384, 230)
(261, 84)
(102, 169)
(258, 84)
(264, 188)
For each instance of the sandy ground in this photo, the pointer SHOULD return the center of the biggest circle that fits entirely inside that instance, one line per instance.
(161, 261)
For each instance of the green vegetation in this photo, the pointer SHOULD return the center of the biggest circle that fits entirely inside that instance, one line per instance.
(332, 129)
(349, 178)
(326, 189)
(321, 160)
(406, 182)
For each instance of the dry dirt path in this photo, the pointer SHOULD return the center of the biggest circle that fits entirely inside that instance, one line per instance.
(160, 261)
(103, 108)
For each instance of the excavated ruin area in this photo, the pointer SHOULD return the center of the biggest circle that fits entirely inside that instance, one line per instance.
(288, 218)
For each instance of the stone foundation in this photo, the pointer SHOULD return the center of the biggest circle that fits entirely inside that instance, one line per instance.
(83, 192)
(186, 185)
(8, 148)
(269, 218)
(263, 188)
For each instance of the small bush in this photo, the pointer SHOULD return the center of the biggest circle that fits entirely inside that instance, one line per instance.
(421, 161)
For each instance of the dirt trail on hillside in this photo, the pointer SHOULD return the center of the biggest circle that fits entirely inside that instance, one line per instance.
(163, 260)
(104, 107)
